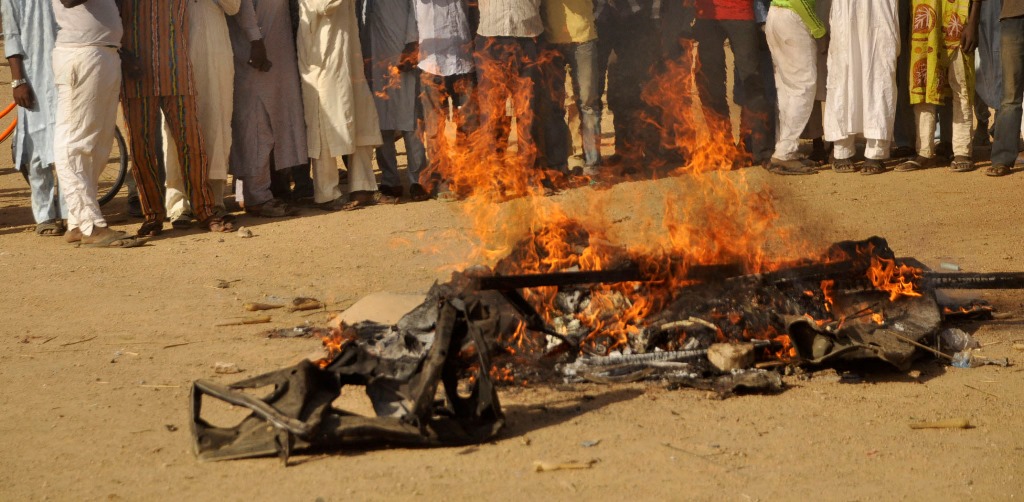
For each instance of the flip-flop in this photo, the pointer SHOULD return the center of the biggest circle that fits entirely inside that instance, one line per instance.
(872, 166)
(997, 170)
(915, 164)
(117, 240)
(331, 205)
(150, 229)
(794, 167)
(50, 228)
(217, 224)
(73, 236)
(844, 166)
(359, 200)
(962, 164)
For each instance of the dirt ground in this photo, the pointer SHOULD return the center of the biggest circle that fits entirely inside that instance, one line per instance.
(98, 349)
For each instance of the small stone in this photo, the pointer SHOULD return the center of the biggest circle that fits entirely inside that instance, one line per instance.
(226, 368)
(244, 232)
(727, 357)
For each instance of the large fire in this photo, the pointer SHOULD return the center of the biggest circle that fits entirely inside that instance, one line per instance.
(707, 213)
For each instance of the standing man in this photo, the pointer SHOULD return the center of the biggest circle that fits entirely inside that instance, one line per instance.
(570, 36)
(341, 118)
(29, 35)
(732, 20)
(794, 34)
(159, 79)
(86, 72)
(1005, 148)
(210, 52)
(942, 47)
(389, 40)
(447, 82)
(268, 132)
(861, 81)
(506, 59)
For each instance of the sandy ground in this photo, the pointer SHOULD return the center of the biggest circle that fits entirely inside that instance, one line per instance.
(98, 349)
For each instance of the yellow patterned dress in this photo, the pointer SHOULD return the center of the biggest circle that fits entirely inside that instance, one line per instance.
(935, 38)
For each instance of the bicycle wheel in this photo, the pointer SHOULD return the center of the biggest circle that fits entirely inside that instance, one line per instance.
(113, 175)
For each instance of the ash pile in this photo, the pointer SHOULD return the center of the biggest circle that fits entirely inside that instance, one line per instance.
(431, 378)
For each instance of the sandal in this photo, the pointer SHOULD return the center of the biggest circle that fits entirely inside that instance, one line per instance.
(792, 167)
(361, 199)
(218, 224)
(916, 164)
(113, 239)
(997, 170)
(331, 205)
(273, 208)
(872, 166)
(50, 228)
(844, 166)
(962, 164)
(150, 229)
(183, 222)
(73, 236)
(417, 193)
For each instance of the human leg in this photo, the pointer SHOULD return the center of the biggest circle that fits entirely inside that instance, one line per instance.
(793, 52)
(960, 69)
(174, 196)
(554, 141)
(711, 81)
(743, 40)
(415, 154)
(142, 117)
(41, 179)
(583, 62)
(924, 117)
(387, 160)
(85, 118)
(183, 121)
(360, 171)
(1008, 118)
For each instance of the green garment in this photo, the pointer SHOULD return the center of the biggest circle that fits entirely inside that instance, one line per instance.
(804, 9)
(936, 28)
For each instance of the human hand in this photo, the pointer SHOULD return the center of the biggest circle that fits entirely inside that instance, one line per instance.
(969, 39)
(258, 56)
(24, 97)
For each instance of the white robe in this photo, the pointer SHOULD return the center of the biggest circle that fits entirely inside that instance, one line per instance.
(336, 99)
(861, 85)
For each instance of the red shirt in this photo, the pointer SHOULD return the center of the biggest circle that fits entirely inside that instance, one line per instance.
(726, 10)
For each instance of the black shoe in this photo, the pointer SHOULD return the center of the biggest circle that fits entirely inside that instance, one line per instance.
(390, 190)
(417, 193)
(135, 207)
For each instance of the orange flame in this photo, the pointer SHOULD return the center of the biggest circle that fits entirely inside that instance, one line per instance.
(897, 279)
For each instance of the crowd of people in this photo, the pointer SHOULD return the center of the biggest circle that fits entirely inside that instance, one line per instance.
(274, 92)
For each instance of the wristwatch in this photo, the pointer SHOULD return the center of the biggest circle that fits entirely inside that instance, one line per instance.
(18, 83)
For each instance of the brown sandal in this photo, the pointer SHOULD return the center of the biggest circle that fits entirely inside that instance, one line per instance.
(997, 170)
(218, 224)
(962, 164)
(150, 229)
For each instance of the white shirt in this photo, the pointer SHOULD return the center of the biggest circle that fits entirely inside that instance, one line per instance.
(510, 18)
(445, 40)
(94, 23)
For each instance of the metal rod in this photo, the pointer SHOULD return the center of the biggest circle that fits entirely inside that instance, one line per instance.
(963, 280)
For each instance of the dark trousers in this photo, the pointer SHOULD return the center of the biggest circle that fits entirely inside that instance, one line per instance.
(711, 80)
(1006, 145)
(628, 47)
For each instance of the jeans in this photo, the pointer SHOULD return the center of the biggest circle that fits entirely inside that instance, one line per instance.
(1004, 148)
(743, 38)
(387, 158)
(556, 141)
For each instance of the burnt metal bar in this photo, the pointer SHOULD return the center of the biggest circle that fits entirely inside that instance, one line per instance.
(970, 280)
(631, 273)
(507, 282)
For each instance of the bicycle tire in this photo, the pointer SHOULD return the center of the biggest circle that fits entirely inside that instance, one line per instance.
(122, 172)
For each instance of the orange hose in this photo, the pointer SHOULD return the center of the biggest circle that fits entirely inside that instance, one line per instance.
(10, 129)
(7, 110)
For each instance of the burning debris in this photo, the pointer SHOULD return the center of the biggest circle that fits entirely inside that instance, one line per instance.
(431, 377)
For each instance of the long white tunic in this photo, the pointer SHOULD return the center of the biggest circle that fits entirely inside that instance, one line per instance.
(267, 116)
(862, 69)
(337, 101)
(386, 27)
